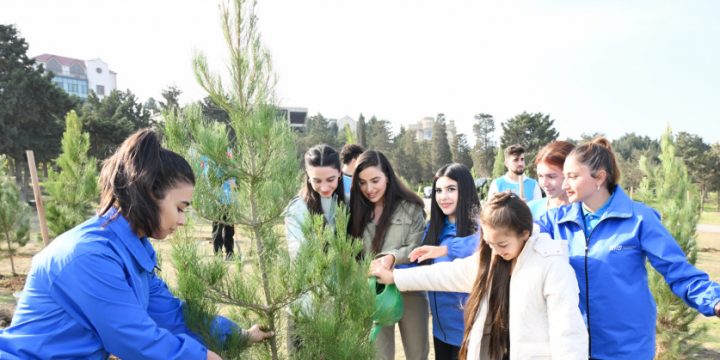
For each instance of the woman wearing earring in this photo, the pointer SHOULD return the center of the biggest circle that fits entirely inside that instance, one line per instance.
(389, 219)
(610, 237)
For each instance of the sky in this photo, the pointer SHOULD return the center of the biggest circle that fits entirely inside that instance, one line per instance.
(610, 67)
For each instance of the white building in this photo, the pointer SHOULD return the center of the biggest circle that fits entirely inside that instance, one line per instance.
(101, 79)
(79, 77)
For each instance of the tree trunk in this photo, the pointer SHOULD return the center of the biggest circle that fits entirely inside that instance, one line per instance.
(44, 169)
(10, 253)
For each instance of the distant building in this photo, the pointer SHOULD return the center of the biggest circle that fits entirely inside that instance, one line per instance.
(78, 77)
(423, 129)
(296, 116)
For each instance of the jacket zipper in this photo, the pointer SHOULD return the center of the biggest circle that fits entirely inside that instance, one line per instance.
(438, 317)
(587, 284)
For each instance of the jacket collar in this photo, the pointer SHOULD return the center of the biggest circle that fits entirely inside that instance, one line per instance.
(620, 206)
(139, 248)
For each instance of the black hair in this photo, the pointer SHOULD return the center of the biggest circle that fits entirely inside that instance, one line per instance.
(466, 211)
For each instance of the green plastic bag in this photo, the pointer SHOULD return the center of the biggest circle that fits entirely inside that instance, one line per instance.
(389, 306)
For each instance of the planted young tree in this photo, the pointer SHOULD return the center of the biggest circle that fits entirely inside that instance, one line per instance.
(261, 158)
(499, 164)
(668, 189)
(73, 189)
(14, 220)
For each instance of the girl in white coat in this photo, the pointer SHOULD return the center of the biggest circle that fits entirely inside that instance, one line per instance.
(523, 300)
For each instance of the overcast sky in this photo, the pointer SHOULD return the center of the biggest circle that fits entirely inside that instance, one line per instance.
(601, 66)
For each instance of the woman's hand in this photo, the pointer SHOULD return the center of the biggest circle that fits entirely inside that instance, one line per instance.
(256, 334)
(383, 274)
(213, 356)
(426, 252)
(386, 261)
(717, 309)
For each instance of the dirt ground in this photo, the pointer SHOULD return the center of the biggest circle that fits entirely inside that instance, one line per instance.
(708, 260)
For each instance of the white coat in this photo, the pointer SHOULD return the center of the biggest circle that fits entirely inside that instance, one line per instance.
(545, 321)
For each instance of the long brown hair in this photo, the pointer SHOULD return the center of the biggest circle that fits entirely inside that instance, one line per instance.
(137, 176)
(361, 209)
(504, 211)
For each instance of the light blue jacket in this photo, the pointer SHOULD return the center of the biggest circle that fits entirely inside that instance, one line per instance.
(615, 297)
(93, 292)
(447, 307)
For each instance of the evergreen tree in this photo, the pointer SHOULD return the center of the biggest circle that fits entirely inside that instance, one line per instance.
(317, 131)
(171, 98)
(697, 157)
(499, 164)
(73, 189)
(405, 157)
(379, 135)
(361, 132)
(533, 131)
(668, 189)
(14, 220)
(262, 160)
(440, 150)
(111, 120)
(31, 106)
(483, 152)
(463, 151)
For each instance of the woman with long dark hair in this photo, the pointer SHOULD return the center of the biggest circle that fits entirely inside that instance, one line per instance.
(452, 233)
(389, 219)
(523, 300)
(321, 193)
(93, 291)
(611, 239)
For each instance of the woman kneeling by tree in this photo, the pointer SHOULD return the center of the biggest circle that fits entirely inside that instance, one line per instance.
(94, 292)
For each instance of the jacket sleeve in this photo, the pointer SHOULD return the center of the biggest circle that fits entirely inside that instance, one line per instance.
(413, 239)
(295, 217)
(453, 276)
(568, 334)
(94, 291)
(685, 280)
(461, 247)
(166, 310)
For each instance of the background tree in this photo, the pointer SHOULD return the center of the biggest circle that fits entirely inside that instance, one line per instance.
(111, 120)
(73, 190)
(696, 155)
(533, 131)
(714, 184)
(405, 157)
(171, 98)
(317, 131)
(263, 162)
(499, 164)
(361, 131)
(440, 148)
(667, 188)
(462, 153)
(14, 220)
(483, 153)
(630, 148)
(379, 136)
(31, 106)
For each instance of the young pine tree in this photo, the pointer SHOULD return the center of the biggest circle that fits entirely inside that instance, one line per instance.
(14, 219)
(261, 158)
(73, 189)
(668, 189)
(499, 164)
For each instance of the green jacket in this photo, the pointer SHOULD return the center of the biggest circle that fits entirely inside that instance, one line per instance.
(405, 233)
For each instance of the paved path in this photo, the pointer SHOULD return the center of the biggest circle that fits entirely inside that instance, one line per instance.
(708, 228)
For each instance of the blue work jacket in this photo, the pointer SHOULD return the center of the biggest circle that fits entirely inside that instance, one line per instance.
(93, 292)
(447, 307)
(609, 263)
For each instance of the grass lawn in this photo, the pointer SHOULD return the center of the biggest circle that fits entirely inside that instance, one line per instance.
(710, 218)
